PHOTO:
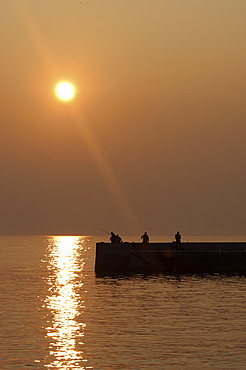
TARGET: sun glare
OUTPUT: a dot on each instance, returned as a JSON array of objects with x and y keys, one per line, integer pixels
[
  {"x": 65, "y": 91},
  {"x": 64, "y": 302}
]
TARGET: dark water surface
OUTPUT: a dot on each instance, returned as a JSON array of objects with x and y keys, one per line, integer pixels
[{"x": 55, "y": 314}]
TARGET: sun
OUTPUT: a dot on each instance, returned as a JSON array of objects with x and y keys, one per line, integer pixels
[{"x": 65, "y": 91}]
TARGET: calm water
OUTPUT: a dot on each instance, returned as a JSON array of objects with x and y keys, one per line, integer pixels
[{"x": 55, "y": 314}]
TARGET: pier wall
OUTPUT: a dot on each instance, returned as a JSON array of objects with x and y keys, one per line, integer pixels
[{"x": 130, "y": 258}]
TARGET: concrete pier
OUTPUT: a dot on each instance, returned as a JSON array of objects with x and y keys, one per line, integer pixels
[{"x": 138, "y": 258}]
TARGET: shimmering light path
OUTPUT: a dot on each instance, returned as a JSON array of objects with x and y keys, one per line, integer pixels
[{"x": 65, "y": 303}]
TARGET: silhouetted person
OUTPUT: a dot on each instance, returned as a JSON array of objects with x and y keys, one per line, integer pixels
[
  {"x": 145, "y": 238},
  {"x": 113, "y": 237},
  {"x": 118, "y": 239},
  {"x": 178, "y": 240}
]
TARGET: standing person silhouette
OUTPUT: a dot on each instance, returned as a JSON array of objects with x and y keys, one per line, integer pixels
[
  {"x": 178, "y": 240},
  {"x": 145, "y": 238}
]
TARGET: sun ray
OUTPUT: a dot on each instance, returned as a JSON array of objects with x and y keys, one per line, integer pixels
[
  {"x": 110, "y": 179},
  {"x": 83, "y": 127},
  {"x": 105, "y": 170},
  {"x": 30, "y": 24}
]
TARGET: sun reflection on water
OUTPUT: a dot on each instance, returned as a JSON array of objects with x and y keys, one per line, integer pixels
[{"x": 65, "y": 332}]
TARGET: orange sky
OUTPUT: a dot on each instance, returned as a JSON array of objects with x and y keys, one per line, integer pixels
[{"x": 155, "y": 138}]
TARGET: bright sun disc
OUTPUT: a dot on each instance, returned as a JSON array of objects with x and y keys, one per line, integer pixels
[{"x": 65, "y": 91}]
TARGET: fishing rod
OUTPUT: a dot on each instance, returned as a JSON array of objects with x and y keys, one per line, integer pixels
[
  {"x": 101, "y": 237},
  {"x": 102, "y": 230}
]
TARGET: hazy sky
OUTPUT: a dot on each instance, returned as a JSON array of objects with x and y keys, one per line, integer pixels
[{"x": 155, "y": 138}]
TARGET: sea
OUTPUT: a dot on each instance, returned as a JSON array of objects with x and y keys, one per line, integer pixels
[{"x": 55, "y": 313}]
